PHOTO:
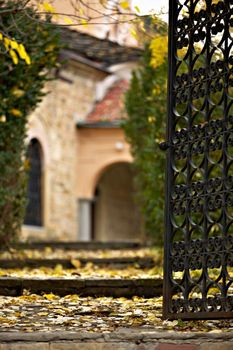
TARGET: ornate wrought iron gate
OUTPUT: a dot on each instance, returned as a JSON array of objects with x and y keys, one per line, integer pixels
[{"x": 199, "y": 195}]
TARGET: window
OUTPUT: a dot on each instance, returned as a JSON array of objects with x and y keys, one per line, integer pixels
[{"x": 34, "y": 208}]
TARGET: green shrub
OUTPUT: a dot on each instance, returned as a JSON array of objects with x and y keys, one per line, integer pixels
[
  {"x": 146, "y": 102},
  {"x": 21, "y": 89}
]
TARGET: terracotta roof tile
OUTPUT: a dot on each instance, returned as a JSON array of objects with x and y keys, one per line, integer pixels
[{"x": 111, "y": 107}]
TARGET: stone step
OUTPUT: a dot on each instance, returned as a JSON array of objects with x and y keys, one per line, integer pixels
[
  {"x": 124, "y": 339},
  {"x": 79, "y": 245},
  {"x": 118, "y": 263},
  {"x": 116, "y": 287}
]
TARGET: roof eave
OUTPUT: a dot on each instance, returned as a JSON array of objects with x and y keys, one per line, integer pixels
[
  {"x": 67, "y": 54},
  {"x": 99, "y": 125}
]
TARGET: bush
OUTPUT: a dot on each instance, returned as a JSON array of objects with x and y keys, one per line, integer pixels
[
  {"x": 146, "y": 103},
  {"x": 21, "y": 85}
]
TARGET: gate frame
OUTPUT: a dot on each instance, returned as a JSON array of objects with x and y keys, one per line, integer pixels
[{"x": 167, "y": 290}]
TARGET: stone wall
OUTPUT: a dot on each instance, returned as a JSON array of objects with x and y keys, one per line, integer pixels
[
  {"x": 54, "y": 124},
  {"x": 124, "y": 339}
]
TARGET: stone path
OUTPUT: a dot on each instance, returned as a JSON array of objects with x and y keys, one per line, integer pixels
[
  {"x": 14, "y": 337},
  {"x": 123, "y": 339}
]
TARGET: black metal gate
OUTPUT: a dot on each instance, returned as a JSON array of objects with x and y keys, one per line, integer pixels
[{"x": 198, "y": 281}]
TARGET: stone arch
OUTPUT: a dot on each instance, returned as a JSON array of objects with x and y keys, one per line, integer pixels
[
  {"x": 36, "y": 131},
  {"x": 100, "y": 171},
  {"x": 115, "y": 214}
]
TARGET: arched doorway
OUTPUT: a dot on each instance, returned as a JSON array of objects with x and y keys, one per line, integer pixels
[
  {"x": 34, "y": 210},
  {"x": 115, "y": 215}
]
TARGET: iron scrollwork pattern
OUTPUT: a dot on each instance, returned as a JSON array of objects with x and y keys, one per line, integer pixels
[{"x": 198, "y": 281}]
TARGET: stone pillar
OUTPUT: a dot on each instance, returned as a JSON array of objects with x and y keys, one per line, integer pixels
[{"x": 85, "y": 218}]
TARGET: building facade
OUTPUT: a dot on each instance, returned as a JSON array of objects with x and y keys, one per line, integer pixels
[{"x": 81, "y": 179}]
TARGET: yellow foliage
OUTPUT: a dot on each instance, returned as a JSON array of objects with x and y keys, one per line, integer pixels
[
  {"x": 21, "y": 51},
  {"x": 84, "y": 22},
  {"x": 26, "y": 164},
  {"x": 151, "y": 119},
  {"x": 6, "y": 43},
  {"x": 137, "y": 9},
  {"x": 159, "y": 49},
  {"x": 14, "y": 56},
  {"x": 50, "y": 296},
  {"x": 182, "y": 52},
  {"x": 124, "y": 4},
  {"x": 14, "y": 44},
  {"x": 16, "y": 112},
  {"x": 23, "y": 54},
  {"x": 13, "y": 47},
  {"x": 157, "y": 90},
  {"x": 58, "y": 269},
  {"x": 76, "y": 263},
  {"x": 67, "y": 20},
  {"x": 48, "y": 7},
  {"x": 17, "y": 92},
  {"x": 133, "y": 32}
]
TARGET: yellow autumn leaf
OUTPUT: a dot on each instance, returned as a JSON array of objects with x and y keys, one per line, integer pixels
[
  {"x": 6, "y": 42},
  {"x": 137, "y": 9},
  {"x": 133, "y": 33},
  {"x": 23, "y": 54},
  {"x": 26, "y": 164},
  {"x": 124, "y": 4},
  {"x": 84, "y": 22},
  {"x": 21, "y": 51},
  {"x": 50, "y": 296},
  {"x": 16, "y": 112},
  {"x": 42, "y": 313},
  {"x": 67, "y": 20},
  {"x": 14, "y": 44},
  {"x": 48, "y": 7},
  {"x": 58, "y": 269},
  {"x": 48, "y": 250},
  {"x": 76, "y": 263},
  {"x": 60, "y": 311},
  {"x": 28, "y": 59},
  {"x": 17, "y": 92}
]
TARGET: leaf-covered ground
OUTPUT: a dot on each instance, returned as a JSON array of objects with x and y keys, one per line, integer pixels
[
  {"x": 49, "y": 312},
  {"x": 89, "y": 270},
  {"x": 49, "y": 253}
]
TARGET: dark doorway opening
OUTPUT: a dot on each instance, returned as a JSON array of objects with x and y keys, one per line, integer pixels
[{"x": 115, "y": 214}]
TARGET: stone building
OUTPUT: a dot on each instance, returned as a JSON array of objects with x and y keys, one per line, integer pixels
[{"x": 81, "y": 180}]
